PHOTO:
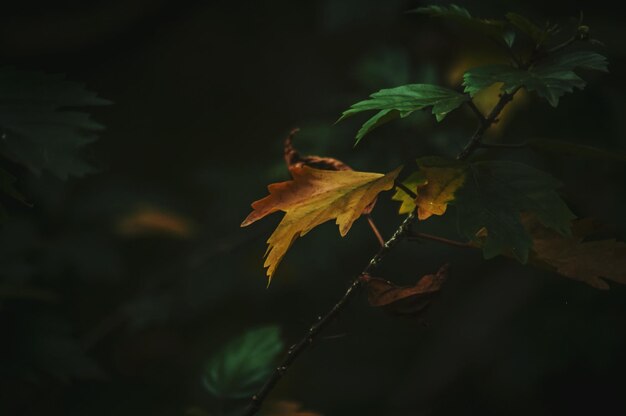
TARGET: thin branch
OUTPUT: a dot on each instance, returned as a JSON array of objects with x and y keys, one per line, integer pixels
[
  {"x": 492, "y": 118},
  {"x": 424, "y": 236},
  {"x": 374, "y": 228},
  {"x": 401, "y": 232},
  {"x": 479, "y": 114},
  {"x": 296, "y": 349}
]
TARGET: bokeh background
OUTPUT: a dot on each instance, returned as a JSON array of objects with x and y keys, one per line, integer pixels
[{"x": 132, "y": 277}]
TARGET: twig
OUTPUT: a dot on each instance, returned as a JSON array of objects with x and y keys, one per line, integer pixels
[
  {"x": 492, "y": 118},
  {"x": 424, "y": 236},
  {"x": 476, "y": 111},
  {"x": 402, "y": 230},
  {"x": 296, "y": 349},
  {"x": 374, "y": 228}
]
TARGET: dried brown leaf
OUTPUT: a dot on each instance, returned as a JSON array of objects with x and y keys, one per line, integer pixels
[{"x": 405, "y": 300}]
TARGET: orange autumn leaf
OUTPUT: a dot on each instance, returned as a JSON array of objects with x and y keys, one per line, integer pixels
[
  {"x": 405, "y": 300},
  {"x": 146, "y": 220},
  {"x": 313, "y": 197}
]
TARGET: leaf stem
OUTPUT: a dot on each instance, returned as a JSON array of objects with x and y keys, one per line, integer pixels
[
  {"x": 476, "y": 111},
  {"x": 375, "y": 230},
  {"x": 406, "y": 190}
]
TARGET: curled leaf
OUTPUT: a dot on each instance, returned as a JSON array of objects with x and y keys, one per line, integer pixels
[
  {"x": 405, "y": 300},
  {"x": 293, "y": 157}
]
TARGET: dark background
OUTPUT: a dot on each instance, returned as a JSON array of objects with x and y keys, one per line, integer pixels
[{"x": 141, "y": 271}]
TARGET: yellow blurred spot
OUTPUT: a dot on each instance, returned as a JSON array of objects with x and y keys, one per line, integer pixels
[
  {"x": 148, "y": 220},
  {"x": 486, "y": 99}
]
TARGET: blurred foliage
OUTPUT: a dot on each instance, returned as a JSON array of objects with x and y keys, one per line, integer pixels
[{"x": 117, "y": 288}]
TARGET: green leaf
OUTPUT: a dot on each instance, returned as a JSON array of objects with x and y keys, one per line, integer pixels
[
  {"x": 401, "y": 101},
  {"x": 527, "y": 27},
  {"x": 494, "y": 195},
  {"x": 380, "y": 118},
  {"x": 509, "y": 38},
  {"x": 6, "y": 186},
  {"x": 239, "y": 368},
  {"x": 550, "y": 78},
  {"x": 493, "y": 28},
  {"x": 39, "y": 129},
  {"x": 574, "y": 149}
]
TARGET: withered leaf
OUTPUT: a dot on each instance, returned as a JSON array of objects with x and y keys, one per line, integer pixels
[
  {"x": 293, "y": 157},
  {"x": 405, "y": 300},
  {"x": 313, "y": 197},
  {"x": 588, "y": 261}
]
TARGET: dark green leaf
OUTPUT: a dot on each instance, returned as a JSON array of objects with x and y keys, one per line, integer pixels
[
  {"x": 509, "y": 38},
  {"x": 574, "y": 149},
  {"x": 527, "y": 27},
  {"x": 242, "y": 365},
  {"x": 401, "y": 101},
  {"x": 494, "y": 195},
  {"x": 39, "y": 130},
  {"x": 6, "y": 186},
  {"x": 550, "y": 78},
  {"x": 493, "y": 28}
]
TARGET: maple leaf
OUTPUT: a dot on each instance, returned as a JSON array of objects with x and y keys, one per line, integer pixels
[
  {"x": 571, "y": 256},
  {"x": 407, "y": 203},
  {"x": 404, "y": 300},
  {"x": 443, "y": 178},
  {"x": 435, "y": 184},
  {"x": 313, "y": 197}
]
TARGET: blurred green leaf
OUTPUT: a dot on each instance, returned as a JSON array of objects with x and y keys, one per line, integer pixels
[
  {"x": 242, "y": 365},
  {"x": 401, "y": 101},
  {"x": 39, "y": 130},
  {"x": 494, "y": 195},
  {"x": 550, "y": 78},
  {"x": 6, "y": 186},
  {"x": 509, "y": 38}
]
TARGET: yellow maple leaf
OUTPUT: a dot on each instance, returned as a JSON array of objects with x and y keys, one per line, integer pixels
[
  {"x": 313, "y": 197},
  {"x": 407, "y": 202},
  {"x": 435, "y": 184},
  {"x": 441, "y": 184}
]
